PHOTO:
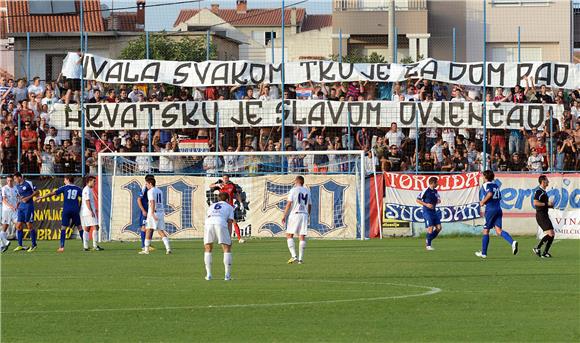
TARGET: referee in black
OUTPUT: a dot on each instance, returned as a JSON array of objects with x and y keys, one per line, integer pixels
[{"x": 542, "y": 204}]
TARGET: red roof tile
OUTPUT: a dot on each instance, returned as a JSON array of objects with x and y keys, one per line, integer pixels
[
  {"x": 122, "y": 21},
  {"x": 252, "y": 17},
  {"x": 316, "y": 22},
  {"x": 20, "y": 19}
]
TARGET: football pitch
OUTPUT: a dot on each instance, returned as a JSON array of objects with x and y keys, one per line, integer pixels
[{"x": 347, "y": 291}]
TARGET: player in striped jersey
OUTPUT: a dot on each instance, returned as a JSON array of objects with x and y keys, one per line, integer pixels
[
  {"x": 9, "y": 209},
  {"x": 71, "y": 207},
  {"x": 26, "y": 193},
  {"x": 493, "y": 215}
]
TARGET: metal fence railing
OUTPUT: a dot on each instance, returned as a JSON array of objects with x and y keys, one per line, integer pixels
[{"x": 30, "y": 145}]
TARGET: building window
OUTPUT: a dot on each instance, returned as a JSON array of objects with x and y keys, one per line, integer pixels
[
  {"x": 269, "y": 36},
  {"x": 53, "y": 66},
  {"x": 507, "y": 3},
  {"x": 528, "y": 54}
]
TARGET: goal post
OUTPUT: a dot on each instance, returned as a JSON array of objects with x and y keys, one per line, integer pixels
[{"x": 337, "y": 181}]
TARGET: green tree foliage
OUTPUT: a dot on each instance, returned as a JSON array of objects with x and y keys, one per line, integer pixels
[
  {"x": 357, "y": 57},
  {"x": 163, "y": 46}
]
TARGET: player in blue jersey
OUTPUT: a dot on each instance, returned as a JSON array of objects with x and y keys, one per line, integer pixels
[
  {"x": 493, "y": 215},
  {"x": 429, "y": 198},
  {"x": 71, "y": 207},
  {"x": 143, "y": 203},
  {"x": 26, "y": 193}
]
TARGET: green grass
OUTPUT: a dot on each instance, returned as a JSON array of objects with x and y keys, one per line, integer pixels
[{"x": 117, "y": 295}]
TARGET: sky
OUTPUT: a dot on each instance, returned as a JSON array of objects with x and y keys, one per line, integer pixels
[{"x": 163, "y": 16}]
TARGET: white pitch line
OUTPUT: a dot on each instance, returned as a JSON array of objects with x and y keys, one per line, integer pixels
[{"x": 430, "y": 291}]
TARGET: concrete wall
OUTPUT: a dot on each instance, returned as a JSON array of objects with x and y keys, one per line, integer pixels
[
  {"x": 377, "y": 22},
  {"x": 543, "y": 26},
  {"x": 305, "y": 45}
]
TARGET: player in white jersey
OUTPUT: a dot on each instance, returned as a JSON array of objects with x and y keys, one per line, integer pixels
[
  {"x": 297, "y": 212},
  {"x": 89, "y": 219},
  {"x": 155, "y": 216},
  {"x": 9, "y": 213},
  {"x": 218, "y": 225}
]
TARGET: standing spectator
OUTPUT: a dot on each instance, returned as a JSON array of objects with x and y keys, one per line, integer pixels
[
  {"x": 394, "y": 136},
  {"x": 166, "y": 163},
  {"x": 47, "y": 160},
  {"x": 320, "y": 161},
  {"x": 36, "y": 88},
  {"x": 52, "y": 135},
  {"x": 363, "y": 139},
  {"x": 92, "y": 162},
  {"x": 24, "y": 113},
  {"x": 30, "y": 163},
  {"x": 29, "y": 137},
  {"x": 134, "y": 95},
  {"x": 20, "y": 92},
  {"x": 535, "y": 161},
  {"x": 515, "y": 163},
  {"x": 144, "y": 162},
  {"x": 437, "y": 152}
]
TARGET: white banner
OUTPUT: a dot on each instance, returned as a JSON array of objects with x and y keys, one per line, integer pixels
[
  {"x": 258, "y": 113},
  {"x": 566, "y": 224},
  {"x": 229, "y": 73},
  {"x": 334, "y": 206},
  {"x": 459, "y": 196}
]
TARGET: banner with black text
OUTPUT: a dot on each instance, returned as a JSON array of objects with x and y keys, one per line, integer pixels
[
  {"x": 229, "y": 73},
  {"x": 259, "y": 113}
]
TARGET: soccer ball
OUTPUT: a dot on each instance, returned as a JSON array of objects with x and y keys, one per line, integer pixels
[{"x": 242, "y": 241}]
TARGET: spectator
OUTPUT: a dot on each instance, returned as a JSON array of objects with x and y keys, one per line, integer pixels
[
  {"x": 47, "y": 160},
  {"x": 144, "y": 163},
  {"x": 29, "y": 137},
  {"x": 20, "y": 92},
  {"x": 394, "y": 136},
  {"x": 515, "y": 163},
  {"x": 36, "y": 88},
  {"x": 30, "y": 162},
  {"x": 535, "y": 161}
]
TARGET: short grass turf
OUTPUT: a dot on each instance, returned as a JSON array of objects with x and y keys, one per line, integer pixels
[{"x": 347, "y": 291}]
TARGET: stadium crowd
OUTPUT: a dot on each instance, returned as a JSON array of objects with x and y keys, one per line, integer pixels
[{"x": 47, "y": 151}]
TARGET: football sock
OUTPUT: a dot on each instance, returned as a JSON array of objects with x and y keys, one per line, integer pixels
[
  {"x": 228, "y": 263},
  {"x": 4, "y": 238},
  {"x": 95, "y": 237},
  {"x": 147, "y": 244},
  {"x": 435, "y": 234},
  {"x": 62, "y": 237},
  {"x": 548, "y": 244},
  {"x": 542, "y": 241},
  {"x": 166, "y": 243},
  {"x": 237, "y": 230},
  {"x": 484, "y": 244},
  {"x": 143, "y": 239},
  {"x": 81, "y": 231},
  {"x": 19, "y": 236},
  {"x": 33, "y": 237},
  {"x": 429, "y": 238},
  {"x": 507, "y": 237},
  {"x": 207, "y": 261},
  {"x": 85, "y": 240},
  {"x": 290, "y": 242},
  {"x": 301, "y": 248}
]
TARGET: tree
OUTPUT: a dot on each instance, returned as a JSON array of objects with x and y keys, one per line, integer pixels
[
  {"x": 163, "y": 46},
  {"x": 358, "y": 57}
]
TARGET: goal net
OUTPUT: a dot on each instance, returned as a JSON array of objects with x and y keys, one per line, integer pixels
[{"x": 263, "y": 179}]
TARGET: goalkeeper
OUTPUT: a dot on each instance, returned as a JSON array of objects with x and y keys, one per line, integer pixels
[{"x": 224, "y": 185}]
